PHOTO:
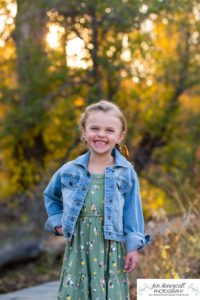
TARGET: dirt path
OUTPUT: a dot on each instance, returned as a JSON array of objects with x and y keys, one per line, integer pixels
[{"x": 46, "y": 291}]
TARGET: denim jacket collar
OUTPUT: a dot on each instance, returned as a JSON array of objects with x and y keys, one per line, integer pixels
[{"x": 120, "y": 160}]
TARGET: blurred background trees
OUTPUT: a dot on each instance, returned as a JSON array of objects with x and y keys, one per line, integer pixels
[{"x": 57, "y": 57}]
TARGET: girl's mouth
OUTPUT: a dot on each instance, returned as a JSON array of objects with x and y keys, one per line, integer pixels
[{"x": 100, "y": 143}]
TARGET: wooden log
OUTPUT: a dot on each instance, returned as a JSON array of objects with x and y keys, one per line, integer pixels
[{"x": 22, "y": 251}]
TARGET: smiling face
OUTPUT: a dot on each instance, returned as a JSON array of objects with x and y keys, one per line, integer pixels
[{"x": 102, "y": 131}]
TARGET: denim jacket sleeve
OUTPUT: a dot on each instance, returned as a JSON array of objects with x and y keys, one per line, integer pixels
[
  {"x": 133, "y": 218},
  {"x": 53, "y": 203}
]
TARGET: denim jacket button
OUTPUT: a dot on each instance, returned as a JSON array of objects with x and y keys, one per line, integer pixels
[
  {"x": 78, "y": 203},
  {"x": 72, "y": 219},
  {"x": 109, "y": 217},
  {"x": 68, "y": 234},
  {"x": 109, "y": 233},
  {"x": 111, "y": 201}
]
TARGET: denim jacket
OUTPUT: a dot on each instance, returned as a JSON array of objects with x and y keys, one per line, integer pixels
[{"x": 123, "y": 217}]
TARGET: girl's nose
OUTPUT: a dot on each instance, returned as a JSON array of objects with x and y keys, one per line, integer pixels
[{"x": 101, "y": 133}]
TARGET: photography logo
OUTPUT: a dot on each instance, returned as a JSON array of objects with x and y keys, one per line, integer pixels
[{"x": 164, "y": 289}]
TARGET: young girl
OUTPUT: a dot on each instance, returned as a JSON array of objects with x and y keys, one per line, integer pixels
[{"x": 94, "y": 201}]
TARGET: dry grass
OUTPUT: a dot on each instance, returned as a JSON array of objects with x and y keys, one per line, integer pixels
[{"x": 175, "y": 248}]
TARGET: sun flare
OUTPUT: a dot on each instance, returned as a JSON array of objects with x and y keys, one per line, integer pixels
[
  {"x": 54, "y": 36},
  {"x": 76, "y": 53}
]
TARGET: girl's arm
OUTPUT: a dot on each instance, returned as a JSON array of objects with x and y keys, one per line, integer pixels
[
  {"x": 133, "y": 218},
  {"x": 53, "y": 203}
]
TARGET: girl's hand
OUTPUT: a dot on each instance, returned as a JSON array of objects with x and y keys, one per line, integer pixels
[
  {"x": 59, "y": 230},
  {"x": 131, "y": 261}
]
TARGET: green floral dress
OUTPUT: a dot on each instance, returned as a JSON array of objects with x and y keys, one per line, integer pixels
[{"x": 93, "y": 268}]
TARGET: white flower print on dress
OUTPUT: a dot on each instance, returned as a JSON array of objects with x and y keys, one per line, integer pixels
[
  {"x": 69, "y": 281},
  {"x": 113, "y": 248}
]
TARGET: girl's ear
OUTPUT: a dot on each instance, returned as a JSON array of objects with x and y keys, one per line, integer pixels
[
  {"x": 121, "y": 137},
  {"x": 82, "y": 129}
]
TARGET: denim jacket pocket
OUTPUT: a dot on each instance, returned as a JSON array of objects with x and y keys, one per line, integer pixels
[
  {"x": 122, "y": 186},
  {"x": 121, "y": 189},
  {"x": 69, "y": 181}
]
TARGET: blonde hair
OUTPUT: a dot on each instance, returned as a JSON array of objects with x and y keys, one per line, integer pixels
[{"x": 105, "y": 106}]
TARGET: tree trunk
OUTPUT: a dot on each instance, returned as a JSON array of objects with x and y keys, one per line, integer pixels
[
  {"x": 32, "y": 66},
  {"x": 32, "y": 73},
  {"x": 151, "y": 141}
]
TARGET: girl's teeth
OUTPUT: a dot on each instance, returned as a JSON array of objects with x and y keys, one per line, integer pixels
[{"x": 99, "y": 142}]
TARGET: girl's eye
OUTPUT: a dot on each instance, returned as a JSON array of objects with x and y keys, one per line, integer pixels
[
  {"x": 94, "y": 128},
  {"x": 110, "y": 130}
]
